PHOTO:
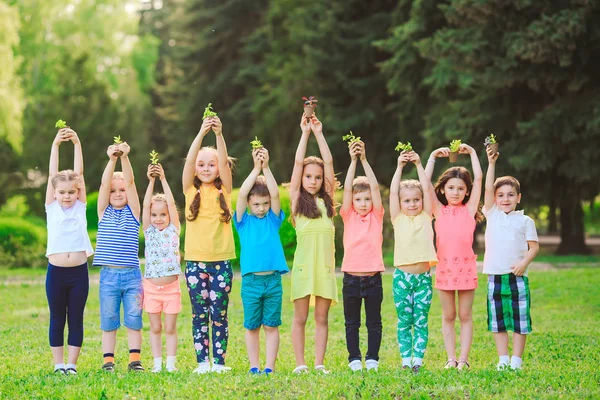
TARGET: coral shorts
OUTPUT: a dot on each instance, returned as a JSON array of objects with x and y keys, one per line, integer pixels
[{"x": 165, "y": 299}]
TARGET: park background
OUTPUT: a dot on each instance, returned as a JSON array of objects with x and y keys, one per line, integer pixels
[{"x": 420, "y": 71}]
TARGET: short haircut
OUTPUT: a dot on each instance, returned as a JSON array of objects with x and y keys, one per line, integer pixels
[
  {"x": 260, "y": 188},
  {"x": 507, "y": 180},
  {"x": 360, "y": 184}
]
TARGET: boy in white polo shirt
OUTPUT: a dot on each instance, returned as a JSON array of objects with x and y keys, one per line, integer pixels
[{"x": 511, "y": 243}]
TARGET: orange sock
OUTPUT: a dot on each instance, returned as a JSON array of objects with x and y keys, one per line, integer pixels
[
  {"x": 134, "y": 355},
  {"x": 109, "y": 357}
]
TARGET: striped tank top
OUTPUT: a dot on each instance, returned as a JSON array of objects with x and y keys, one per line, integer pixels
[{"x": 117, "y": 241}]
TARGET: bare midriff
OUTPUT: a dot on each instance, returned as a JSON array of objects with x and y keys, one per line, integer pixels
[
  {"x": 263, "y": 273},
  {"x": 70, "y": 259},
  {"x": 361, "y": 273},
  {"x": 416, "y": 268},
  {"x": 163, "y": 280}
]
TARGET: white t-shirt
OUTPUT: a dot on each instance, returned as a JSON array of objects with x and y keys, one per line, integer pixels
[
  {"x": 506, "y": 237},
  {"x": 67, "y": 229}
]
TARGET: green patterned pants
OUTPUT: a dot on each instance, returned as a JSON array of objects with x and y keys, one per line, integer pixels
[{"x": 412, "y": 297}]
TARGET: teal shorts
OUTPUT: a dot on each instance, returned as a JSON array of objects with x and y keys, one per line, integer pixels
[{"x": 261, "y": 298}]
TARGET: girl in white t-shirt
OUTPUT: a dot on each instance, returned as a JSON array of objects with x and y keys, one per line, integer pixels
[
  {"x": 162, "y": 294},
  {"x": 69, "y": 246},
  {"x": 511, "y": 243}
]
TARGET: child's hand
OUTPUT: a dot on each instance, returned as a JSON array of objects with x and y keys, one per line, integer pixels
[
  {"x": 264, "y": 155},
  {"x": 151, "y": 172},
  {"x": 492, "y": 157},
  {"x": 256, "y": 157},
  {"x": 112, "y": 149},
  {"x": 403, "y": 158},
  {"x": 73, "y": 136},
  {"x": 354, "y": 150},
  {"x": 363, "y": 151},
  {"x": 441, "y": 152},
  {"x": 519, "y": 268},
  {"x": 316, "y": 125},
  {"x": 465, "y": 149},
  {"x": 206, "y": 127},
  {"x": 217, "y": 126},
  {"x": 61, "y": 136},
  {"x": 414, "y": 157},
  {"x": 124, "y": 147},
  {"x": 304, "y": 124},
  {"x": 158, "y": 168}
]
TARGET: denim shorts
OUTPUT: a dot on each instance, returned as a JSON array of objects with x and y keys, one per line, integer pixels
[
  {"x": 261, "y": 297},
  {"x": 120, "y": 285}
]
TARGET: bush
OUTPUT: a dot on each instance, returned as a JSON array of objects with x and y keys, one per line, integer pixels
[{"x": 22, "y": 244}]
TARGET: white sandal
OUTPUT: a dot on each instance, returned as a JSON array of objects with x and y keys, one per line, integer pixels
[
  {"x": 300, "y": 369},
  {"x": 321, "y": 369}
]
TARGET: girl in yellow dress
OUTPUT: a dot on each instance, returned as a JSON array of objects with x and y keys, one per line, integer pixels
[{"x": 313, "y": 275}]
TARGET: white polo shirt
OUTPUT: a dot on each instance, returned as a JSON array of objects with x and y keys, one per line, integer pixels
[{"x": 506, "y": 237}]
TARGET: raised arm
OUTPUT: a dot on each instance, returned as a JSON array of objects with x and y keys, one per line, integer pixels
[
  {"x": 148, "y": 196},
  {"x": 395, "y": 186},
  {"x": 271, "y": 182},
  {"x": 437, "y": 153},
  {"x": 242, "y": 200},
  {"x": 104, "y": 191},
  {"x": 375, "y": 193},
  {"x": 317, "y": 128},
  {"x": 61, "y": 136},
  {"x": 425, "y": 183},
  {"x": 78, "y": 164},
  {"x": 475, "y": 198},
  {"x": 224, "y": 168},
  {"x": 296, "y": 180},
  {"x": 189, "y": 168},
  {"x": 488, "y": 202},
  {"x": 173, "y": 213},
  {"x": 132, "y": 197},
  {"x": 354, "y": 150}
]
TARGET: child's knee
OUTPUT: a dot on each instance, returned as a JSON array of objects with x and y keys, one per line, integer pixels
[
  {"x": 321, "y": 319},
  {"x": 465, "y": 316}
]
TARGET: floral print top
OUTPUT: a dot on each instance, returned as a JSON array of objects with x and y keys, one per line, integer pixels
[{"x": 162, "y": 252}]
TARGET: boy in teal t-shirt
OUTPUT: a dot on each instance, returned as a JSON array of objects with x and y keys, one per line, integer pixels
[{"x": 262, "y": 259}]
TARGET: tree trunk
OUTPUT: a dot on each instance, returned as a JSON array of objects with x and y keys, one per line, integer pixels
[
  {"x": 572, "y": 229},
  {"x": 552, "y": 220}
]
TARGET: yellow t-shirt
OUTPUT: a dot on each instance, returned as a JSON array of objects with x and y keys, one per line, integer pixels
[
  {"x": 207, "y": 238},
  {"x": 413, "y": 240}
]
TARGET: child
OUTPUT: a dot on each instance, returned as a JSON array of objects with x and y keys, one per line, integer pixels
[
  {"x": 414, "y": 254},
  {"x": 117, "y": 253},
  {"x": 262, "y": 259},
  {"x": 69, "y": 246},
  {"x": 362, "y": 213},
  {"x": 456, "y": 210},
  {"x": 160, "y": 222},
  {"x": 209, "y": 245},
  {"x": 313, "y": 275},
  {"x": 511, "y": 243}
]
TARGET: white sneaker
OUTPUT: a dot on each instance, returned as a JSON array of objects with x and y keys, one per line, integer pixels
[
  {"x": 218, "y": 368},
  {"x": 202, "y": 368},
  {"x": 372, "y": 365},
  {"x": 171, "y": 369},
  {"x": 355, "y": 365},
  {"x": 157, "y": 368}
]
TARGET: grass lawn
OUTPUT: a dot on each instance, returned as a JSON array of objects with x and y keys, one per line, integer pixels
[{"x": 561, "y": 358}]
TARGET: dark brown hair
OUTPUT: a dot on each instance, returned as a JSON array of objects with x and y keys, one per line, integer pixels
[
  {"x": 305, "y": 204},
  {"x": 260, "y": 188},
  {"x": 463, "y": 174},
  {"x": 360, "y": 184},
  {"x": 507, "y": 180}
]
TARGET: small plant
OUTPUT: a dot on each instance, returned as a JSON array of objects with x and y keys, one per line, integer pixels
[
  {"x": 117, "y": 141},
  {"x": 208, "y": 112},
  {"x": 404, "y": 146},
  {"x": 310, "y": 101},
  {"x": 350, "y": 138},
  {"x": 153, "y": 157},
  {"x": 256, "y": 144},
  {"x": 491, "y": 139},
  {"x": 60, "y": 124},
  {"x": 454, "y": 145}
]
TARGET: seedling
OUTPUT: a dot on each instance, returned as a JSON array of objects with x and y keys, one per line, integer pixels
[
  {"x": 117, "y": 141},
  {"x": 404, "y": 147},
  {"x": 350, "y": 138},
  {"x": 491, "y": 142},
  {"x": 310, "y": 103},
  {"x": 208, "y": 112},
  {"x": 256, "y": 144},
  {"x": 454, "y": 146},
  {"x": 60, "y": 124},
  {"x": 154, "y": 161}
]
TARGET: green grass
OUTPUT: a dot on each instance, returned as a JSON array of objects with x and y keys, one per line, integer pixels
[{"x": 561, "y": 358}]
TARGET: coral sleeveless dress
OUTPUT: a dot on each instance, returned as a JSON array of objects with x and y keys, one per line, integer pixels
[
  {"x": 457, "y": 268},
  {"x": 313, "y": 271}
]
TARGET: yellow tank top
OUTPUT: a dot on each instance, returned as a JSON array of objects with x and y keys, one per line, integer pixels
[{"x": 207, "y": 238}]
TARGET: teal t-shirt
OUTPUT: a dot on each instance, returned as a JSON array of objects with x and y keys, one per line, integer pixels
[{"x": 261, "y": 247}]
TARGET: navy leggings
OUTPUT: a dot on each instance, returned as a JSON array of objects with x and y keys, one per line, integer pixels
[{"x": 67, "y": 291}]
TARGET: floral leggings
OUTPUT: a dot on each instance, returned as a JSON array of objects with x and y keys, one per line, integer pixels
[{"x": 209, "y": 285}]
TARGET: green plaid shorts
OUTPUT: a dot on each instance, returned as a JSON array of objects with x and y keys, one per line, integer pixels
[{"x": 508, "y": 303}]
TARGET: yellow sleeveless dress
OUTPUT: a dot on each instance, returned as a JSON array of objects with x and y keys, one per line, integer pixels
[{"x": 313, "y": 271}]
